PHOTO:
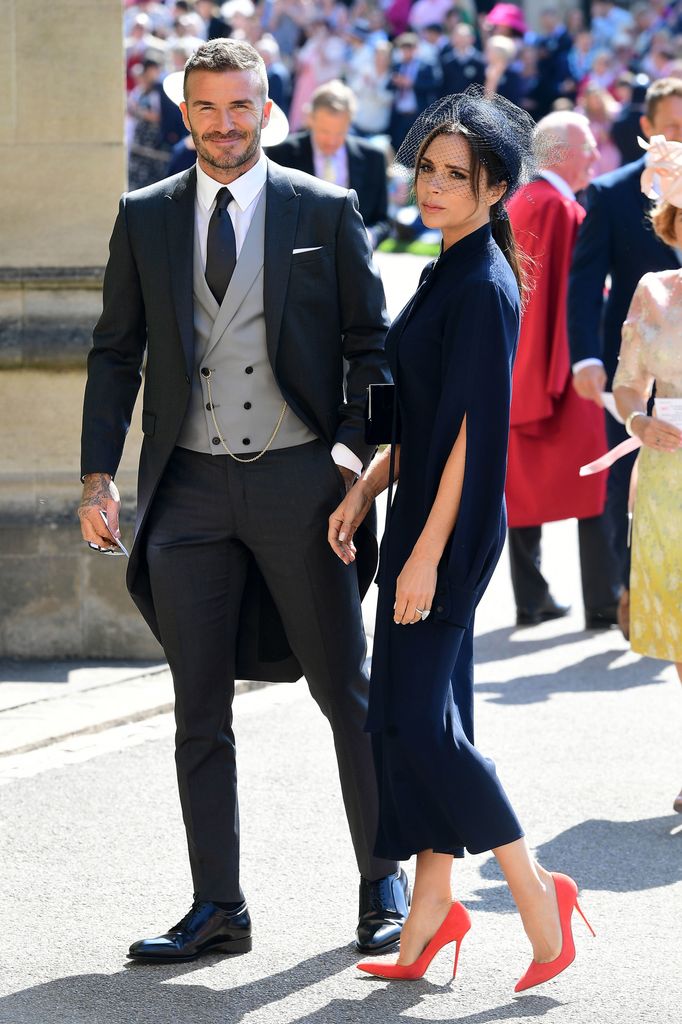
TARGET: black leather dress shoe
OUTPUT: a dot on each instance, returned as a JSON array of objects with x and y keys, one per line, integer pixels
[
  {"x": 384, "y": 905},
  {"x": 549, "y": 609},
  {"x": 601, "y": 618},
  {"x": 205, "y": 929}
]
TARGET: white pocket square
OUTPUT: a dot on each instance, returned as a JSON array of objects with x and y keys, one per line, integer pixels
[{"x": 312, "y": 248}]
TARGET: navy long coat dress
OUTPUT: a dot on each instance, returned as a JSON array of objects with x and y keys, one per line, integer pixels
[{"x": 451, "y": 352}]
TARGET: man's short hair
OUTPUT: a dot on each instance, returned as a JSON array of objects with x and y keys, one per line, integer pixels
[
  {"x": 661, "y": 90},
  {"x": 227, "y": 55},
  {"x": 335, "y": 97},
  {"x": 550, "y": 136}
]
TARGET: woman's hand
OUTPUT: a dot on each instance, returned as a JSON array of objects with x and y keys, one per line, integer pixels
[
  {"x": 656, "y": 434},
  {"x": 344, "y": 521},
  {"x": 414, "y": 590}
]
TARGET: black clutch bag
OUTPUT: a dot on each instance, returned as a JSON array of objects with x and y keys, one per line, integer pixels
[{"x": 382, "y": 419}]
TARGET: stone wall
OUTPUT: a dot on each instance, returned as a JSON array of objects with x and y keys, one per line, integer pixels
[{"x": 62, "y": 170}]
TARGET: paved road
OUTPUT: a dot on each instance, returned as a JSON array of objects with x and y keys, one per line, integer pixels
[{"x": 585, "y": 735}]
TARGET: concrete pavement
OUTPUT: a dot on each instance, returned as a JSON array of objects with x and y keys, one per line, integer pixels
[{"x": 585, "y": 736}]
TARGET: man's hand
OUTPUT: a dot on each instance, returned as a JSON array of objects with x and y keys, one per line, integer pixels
[
  {"x": 100, "y": 494},
  {"x": 589, "y": 382},
  {"x": 344, "y": 521}
]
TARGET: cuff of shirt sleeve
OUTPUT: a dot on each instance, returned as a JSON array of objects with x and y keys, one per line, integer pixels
[
  {"x": 343, "y": 456},
  {"x": 582, "y": 363}
]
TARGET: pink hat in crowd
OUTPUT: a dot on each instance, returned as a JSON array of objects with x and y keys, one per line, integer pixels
[
  {"x": 507, "y": 16},
  {"x": 662, "y": 176}
]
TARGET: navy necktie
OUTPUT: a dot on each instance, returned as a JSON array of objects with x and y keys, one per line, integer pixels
[{"x": 221, "y": 247}]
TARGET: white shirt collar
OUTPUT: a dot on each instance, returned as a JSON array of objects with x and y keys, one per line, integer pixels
[
  {"x": 244, "y": 189},
  {"x": 559, "y": 184}
]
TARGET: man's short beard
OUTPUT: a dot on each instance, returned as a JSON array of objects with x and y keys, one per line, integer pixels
[{"x": 229, "y": 160}]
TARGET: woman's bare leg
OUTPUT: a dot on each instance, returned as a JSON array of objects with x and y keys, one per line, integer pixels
[
  {"x": 431, "y": 901},
  {"x": 533, "y": 890}
]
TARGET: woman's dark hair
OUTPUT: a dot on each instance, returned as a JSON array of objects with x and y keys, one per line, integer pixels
[{"x": 484, "y": 159}]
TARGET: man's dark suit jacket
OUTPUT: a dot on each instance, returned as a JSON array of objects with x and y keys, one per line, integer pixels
[
  {"x": 615, "y": 238},
  {"x": 366, "y": 174},
  {"x": 322, "y": 307}
]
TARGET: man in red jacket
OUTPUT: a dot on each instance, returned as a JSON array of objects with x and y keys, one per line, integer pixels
[{"x": 553, "y": 430}]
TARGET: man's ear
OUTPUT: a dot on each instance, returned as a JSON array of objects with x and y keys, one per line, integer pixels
[
  {"x": 267, "y": 110},
  {"x": 185, "y": 118},
  {"x": 646, "y": 126}
]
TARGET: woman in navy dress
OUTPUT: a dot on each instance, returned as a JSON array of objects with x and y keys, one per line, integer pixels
[{"x": 451, "y": 351}]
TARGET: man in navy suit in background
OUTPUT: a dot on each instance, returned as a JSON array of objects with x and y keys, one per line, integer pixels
[
  {"x": 616, "y": 239},
  {"x": 327, "y": 151}
]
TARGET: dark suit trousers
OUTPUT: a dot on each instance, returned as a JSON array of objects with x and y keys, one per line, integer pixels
[
  {"x": 209, "y": 517},
  {"x": 617, "y": 493},
  {"x": 599, "y": 569}
]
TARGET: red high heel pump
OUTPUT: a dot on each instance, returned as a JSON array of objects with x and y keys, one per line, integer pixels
[
  {"x": 453, "y": 929},
  {"x": 567, "y": 898}
]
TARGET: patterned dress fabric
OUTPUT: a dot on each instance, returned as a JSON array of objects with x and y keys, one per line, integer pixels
[{"x": 651, "y": 351}]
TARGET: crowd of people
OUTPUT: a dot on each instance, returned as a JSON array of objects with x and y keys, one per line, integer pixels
[{"x": 400, "y": 56}]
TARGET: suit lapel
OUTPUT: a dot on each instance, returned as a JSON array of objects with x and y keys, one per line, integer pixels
[
  {"x": 180, "y": 240},
  {"x": 281, "y": 220}
]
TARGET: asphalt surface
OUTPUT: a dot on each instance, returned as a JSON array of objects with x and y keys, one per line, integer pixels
[{"x": 585, "y": 735}]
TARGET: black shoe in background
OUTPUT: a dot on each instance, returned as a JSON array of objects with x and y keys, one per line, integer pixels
[
  {"x": 384, "y": 905},
  {"x": 207, "y": 928},
  {"x": 549, "y": 609},
  {"x": 601, "y": 618}
]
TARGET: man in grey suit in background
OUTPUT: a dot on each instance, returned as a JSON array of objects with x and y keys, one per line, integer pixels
[{"x": 247, "y": 286}]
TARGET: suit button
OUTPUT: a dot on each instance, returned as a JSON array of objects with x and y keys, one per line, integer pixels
[
  {"x": 205, "y": 372},
  {"x": 247, "y": 405},
  {"x": 249, "y": 369},
  {"x": 216, "y": 440},
  {"x": 209, "y": 406},
  {"x": 439, "y": 609},
  {"x": 246, "y": 440},
  {"x": 187, "y": 380}
]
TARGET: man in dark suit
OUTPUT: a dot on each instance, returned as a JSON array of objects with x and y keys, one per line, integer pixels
[
  {"x": 329, "y": 152},
  {"x": 461, "y": 63},
  {"x": 247, "y": 287},
  {"x": 616, "y": 239}
]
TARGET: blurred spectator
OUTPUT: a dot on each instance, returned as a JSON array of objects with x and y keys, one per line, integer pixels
[
  {"x": 506, "y": 20},
  {"x": 146, "y": 161},
  {"x": 184, "y": 29},
  {"x": 214, "y": 27},
  {"x": 397, "y": 14},
  {"x": 608, "y": 21},
  {"x": 141, "y": 44},
  {"x": 602, "y": 74},
  {"x": 285, "y": 22},
  {"x": 373, "y": 93},
  {"x": 328, "y": 151},
  {"x": 160, "y": 16},
  {"x": 581, "y": 56},
  {"x": 601, "y": 110},
  {"x": 462, "y": 64},
  {"x": 626, "y": 126},
  {"x": 320, "y": 59},
  {"x": 428, "y": 12},
  {"x": 416, "y": 84},
  {"x": 554, "y": 45},
  {"x": 279, "y": 79},
  {"x": 185, "y": 9},
  {"x": 500, "y": 76}
]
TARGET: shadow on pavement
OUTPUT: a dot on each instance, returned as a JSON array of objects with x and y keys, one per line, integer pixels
[
  {"x": 607, "y": 856},
  {"x": 146, "y": 995},
  {"x": 19, "y": 671},
  {"x": 591, "y": 675}
]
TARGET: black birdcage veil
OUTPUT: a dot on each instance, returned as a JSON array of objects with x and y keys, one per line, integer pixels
[{"x": 498, "y": 132}]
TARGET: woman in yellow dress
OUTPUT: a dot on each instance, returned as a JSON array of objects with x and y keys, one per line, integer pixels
[{"x": 651, "y": 351}]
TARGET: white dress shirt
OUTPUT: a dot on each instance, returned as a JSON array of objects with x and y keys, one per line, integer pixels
[
  {"x": 245, "y": 191},
  {"x": 562, "y": 186},
  {"x": 338, "y": 163}
]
